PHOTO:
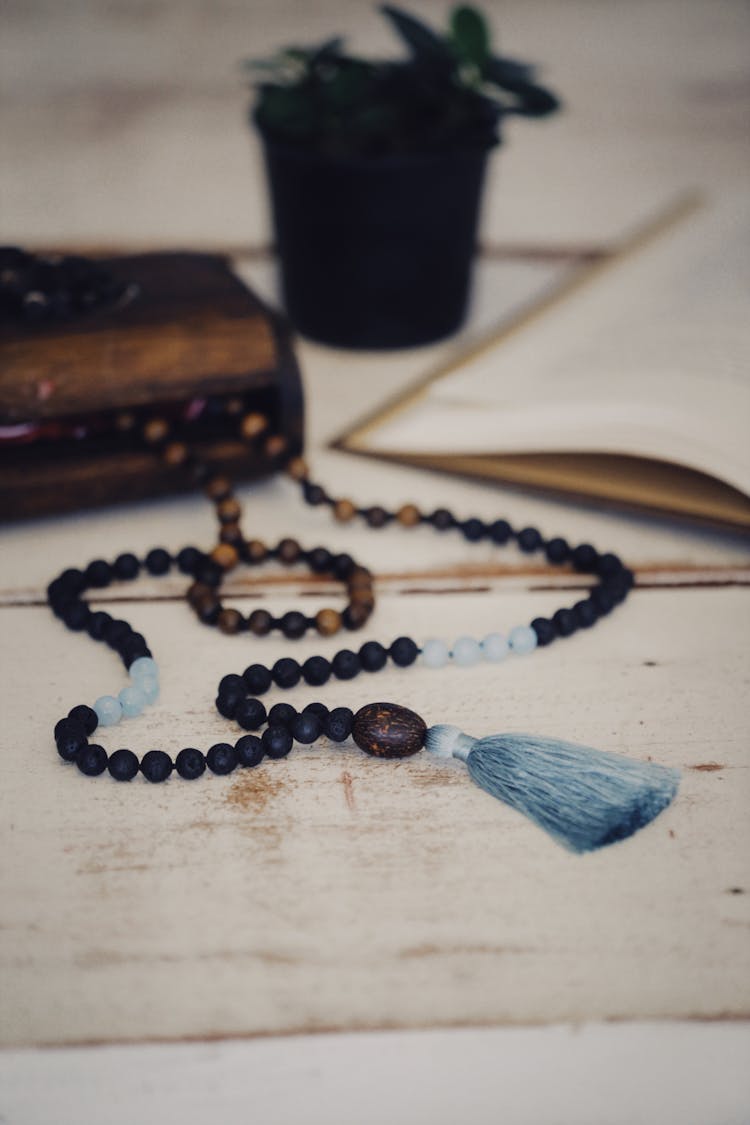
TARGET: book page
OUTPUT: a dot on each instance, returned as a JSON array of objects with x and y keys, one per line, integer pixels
[{"x": 651, "y": 359}]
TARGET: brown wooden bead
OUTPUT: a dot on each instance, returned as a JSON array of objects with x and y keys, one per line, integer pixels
[
  {"x": 198, "y": 591},
  {"x": 155, "y": 430},
  {"x": 125, "y": 421},
  {"x": 327, "y": 622},
  {"x": 208, "y": 609},
  {"x": 229, "y": 510},
  {"x": 225, "y": 555},
  {"x": 253, "y": 425},
  {"x": 362, "y": 596},
  {"x": 231, "y": 533},
  {"x": 344, "y": 511},
  {"x": 230, "y": 621},
  {"x": 360, "y": 579},
  {"x": 176, "y": 453},
  {"x": 297, "y": 469},
  {"x": 260, "y": 622},
  {"x": 255, "y": 551},
  {"x": 387, "y": 730},
  {"x": 356, "y": 615},
  {"x": 218, "y": 488},
  {"x": 408, "y": 515},
  {"x": 275, "y": 446},
  {"x": 289, "y": 551}
]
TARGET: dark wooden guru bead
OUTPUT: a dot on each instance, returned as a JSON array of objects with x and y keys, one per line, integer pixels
[{"x": 387, "y": 730}]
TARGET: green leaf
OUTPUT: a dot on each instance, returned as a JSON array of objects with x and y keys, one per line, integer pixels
[
  {"x": 507, "y": 72},
  {"x": 422, "y": 40},
  {"x": 470, "y": 35}
]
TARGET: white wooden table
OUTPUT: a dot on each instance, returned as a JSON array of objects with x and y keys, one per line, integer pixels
[{"x": 175, "y": 952}]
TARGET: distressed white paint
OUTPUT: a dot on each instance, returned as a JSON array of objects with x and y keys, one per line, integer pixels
[{"x": 330, "y": 890}]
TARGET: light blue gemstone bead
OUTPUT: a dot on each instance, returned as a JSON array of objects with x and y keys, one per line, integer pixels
[
  {"x": 143, "y": 666},
  {"x": 466, "y": 651},
  {"x": 132, "y": 701},
  {"x": 108, "y": 710},
  {"x": 495, "y": 647},
  {"x": 148, "y": 686},
  {"x": 435, "y": 654},
  {"x": 522, "y": 639}
]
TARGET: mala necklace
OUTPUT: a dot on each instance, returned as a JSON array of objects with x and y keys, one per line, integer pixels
[{"x": 584, "y": 798}]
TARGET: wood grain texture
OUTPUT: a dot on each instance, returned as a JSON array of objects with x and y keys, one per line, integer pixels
[
  {"x": 334, "y": 890},
  {"x": 194, "y": 330}
]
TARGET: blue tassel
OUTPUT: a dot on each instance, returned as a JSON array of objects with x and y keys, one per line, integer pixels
[{"x": 584, "y": 798}]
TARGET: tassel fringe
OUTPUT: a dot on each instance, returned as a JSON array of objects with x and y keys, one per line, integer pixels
[{"x": 584, "y": 798}]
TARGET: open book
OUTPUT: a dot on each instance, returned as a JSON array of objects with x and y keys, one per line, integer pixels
[{"x": 633, "y": 389}]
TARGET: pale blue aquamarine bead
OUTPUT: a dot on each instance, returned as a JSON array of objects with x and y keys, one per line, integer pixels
[
  {"x": 132, "y": 701},
  {"x": 495, "y": 647},
  {"x": 143, "y": 666},
  {"x": 435, "y": 654},
  {"x": 148, "y": 686},
  {"x": 522, "y": 639},
  {"x": 466, "y": 651},
  {"x": 108, "y": 710}
]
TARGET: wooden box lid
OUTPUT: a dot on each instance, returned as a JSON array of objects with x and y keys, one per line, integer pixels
[{"x": 194, "y": 330}]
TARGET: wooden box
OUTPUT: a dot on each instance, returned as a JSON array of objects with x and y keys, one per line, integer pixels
[{"x": 193, "y": 339}]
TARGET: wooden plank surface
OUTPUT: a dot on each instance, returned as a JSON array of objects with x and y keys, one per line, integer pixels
[
  {"x": 334, "y": 891},
  {"x": 258, "y": 906}
]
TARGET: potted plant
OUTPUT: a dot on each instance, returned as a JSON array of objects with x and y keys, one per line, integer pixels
[{"x": 375, "y": 171}]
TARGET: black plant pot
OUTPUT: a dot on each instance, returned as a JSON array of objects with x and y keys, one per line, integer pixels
[{"x": 375, "y": 252}]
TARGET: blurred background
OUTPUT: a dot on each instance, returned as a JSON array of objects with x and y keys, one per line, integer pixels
[{"x": 125, "y": 121}]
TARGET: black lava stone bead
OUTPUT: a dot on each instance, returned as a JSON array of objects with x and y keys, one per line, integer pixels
[
  {"x": 126, "y": 567},
  {"x": 85, "y": 715},
  {"x": 76, "y": 615},
  {"x": 232, "y": 685},
  {"x": 158, "y": 561},
  {"x": 585, "y": 613},
  {"x": 473, "y": 529},
  {"x": 188, "y": 559},
  {"x": 286, "y": 672},
  {"x": 92, "y": 760},
  {"x": 250, "y": 713},
  {"x": 249, "y": 750},
  {"x": 282, "y": 715},
  {"x": 123, "y": 765},
  {"x": 293, "y": 625},
  {"x": 338, "y": 725},
  {"x": 98, "y": 573},
  {"x": 96, "y": 624},
  {"x": 190, "y": 763},
  {"x": 403, "y": 652},
  {"x": 557, "y": 550},
  {"x": 529, "y": 539},
  {"x": 346, "y": 664},
  {"x": 221, "y": 758},
  {"x": 500, "y": 532},
  {"x": 564, "y": 621},
  {"x": 544, "y": 629},
  {"x": 306, "y": 727},
  {"x": 70, "y": 745},
  {"x": 372, "y": 656},
  {"x": 277, "y": 741},
  {"x": 257, "y": 678},
  {"x": 585, "y": 558},
  {"x": 316, "y": 670},
  {"x": 156, "y": 765},
  {"x": 320, "y": 559}
]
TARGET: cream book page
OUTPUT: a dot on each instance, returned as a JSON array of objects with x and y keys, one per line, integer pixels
[{"x": 652, "y": 359}]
